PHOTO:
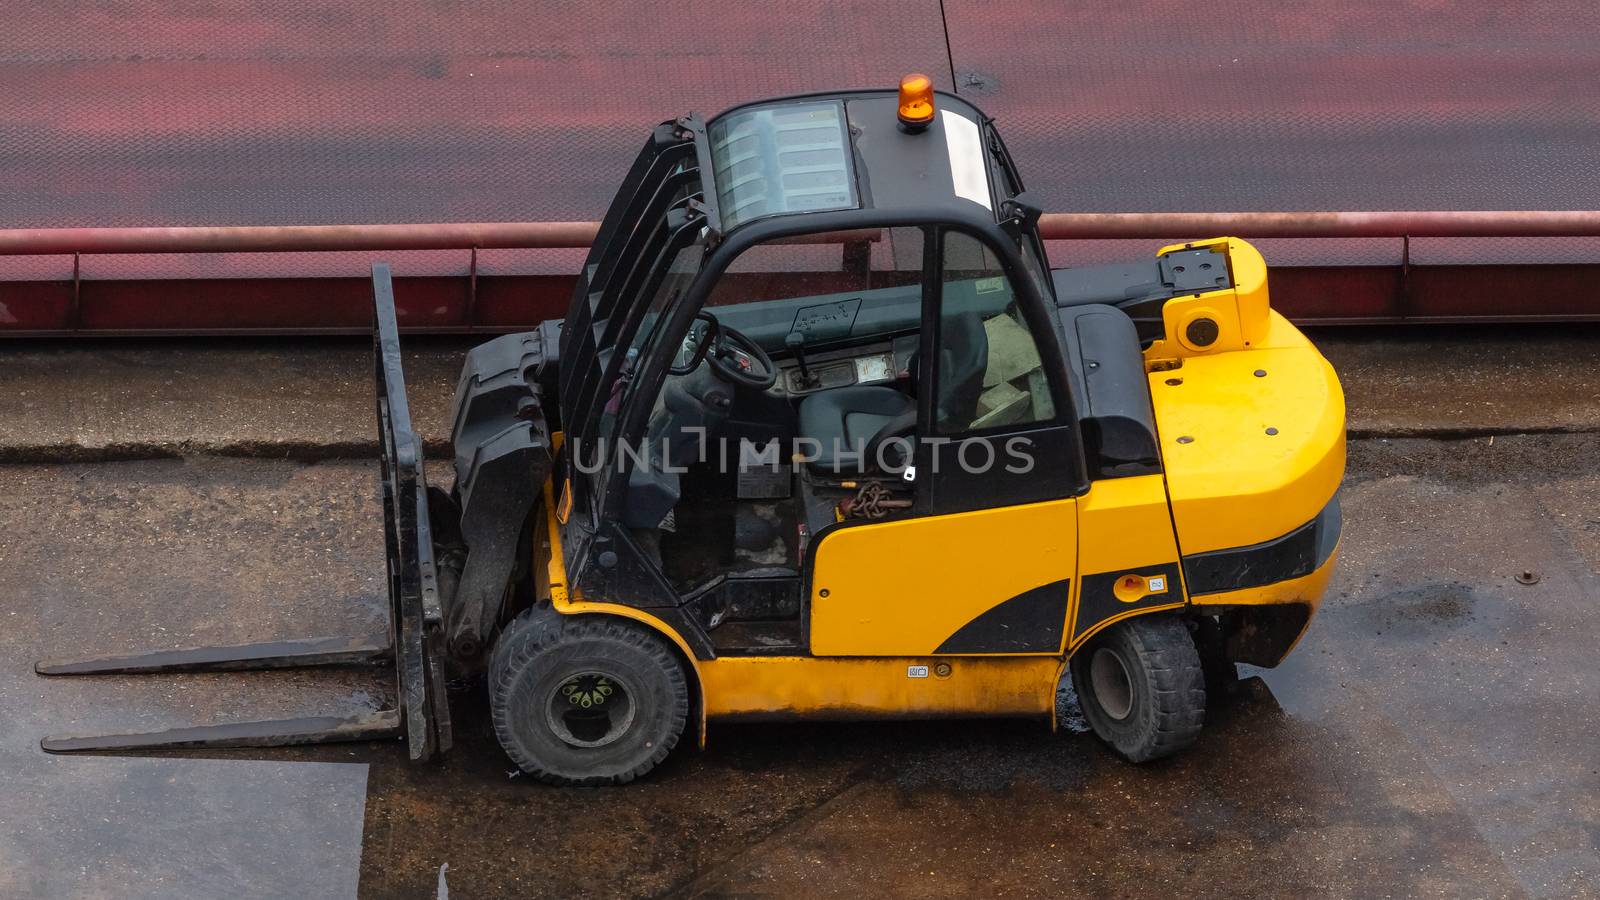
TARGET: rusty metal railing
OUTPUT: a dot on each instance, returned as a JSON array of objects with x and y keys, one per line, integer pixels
[
  {"x": 1392, "y": 224},
  {"x": 296, "y": 238},
  {"x": 268, "y": 297},
  {"x": 553, "y": 235}
]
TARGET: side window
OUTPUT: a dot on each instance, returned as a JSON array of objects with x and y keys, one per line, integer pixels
[{"x": 988, "y": 373}]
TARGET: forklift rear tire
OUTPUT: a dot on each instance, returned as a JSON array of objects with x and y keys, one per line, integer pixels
[
  {"x": 585, "y": 700},
  {"x": 1142, "y": 687}
]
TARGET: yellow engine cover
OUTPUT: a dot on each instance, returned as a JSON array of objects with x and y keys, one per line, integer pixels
[{"x": 1251, "y": 426}]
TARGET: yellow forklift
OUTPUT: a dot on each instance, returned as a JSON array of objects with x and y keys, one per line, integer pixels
[{"x": 822, "y": 435}]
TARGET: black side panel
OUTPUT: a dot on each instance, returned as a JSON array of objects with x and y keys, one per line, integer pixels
[
  {"x": 1263, "y": 635},
  {"x": 1098, "y": 601},
  {"x": 502, "y": 447},
  {"x": 613, "y": 568},
  {"x": 1294, "y": 555},
  {"x": 1030, "y": 622},
  {"x": 747, "y": 598},
  {"x": 1107, "y": 369},
  {"x": 751, "y": 615},
  {"x": 1111, "y": 283},
  {"x": 1141, "y": 288},
  {"x": 1005, "y": 469}
]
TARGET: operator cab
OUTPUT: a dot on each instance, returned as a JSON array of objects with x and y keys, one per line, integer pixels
[{"x": 802, "y": 315}]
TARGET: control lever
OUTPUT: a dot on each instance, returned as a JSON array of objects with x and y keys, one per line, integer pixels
[{"x": 796, "y": 342}]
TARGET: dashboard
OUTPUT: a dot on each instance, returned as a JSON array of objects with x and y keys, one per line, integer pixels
[{"x": 879, "y": 363}]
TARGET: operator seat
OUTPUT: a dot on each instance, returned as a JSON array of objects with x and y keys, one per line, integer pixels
[
  {"x": 849, "y": 423},
  {"x": 843, "y": 422}
]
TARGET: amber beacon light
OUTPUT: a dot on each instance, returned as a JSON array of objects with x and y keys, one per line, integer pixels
[{"x": 916, "y": 101}]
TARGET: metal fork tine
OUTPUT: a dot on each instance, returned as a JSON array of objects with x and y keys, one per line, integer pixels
[
  {"x": 268, "y": 733},
  {"x": 304, "y": 652}
]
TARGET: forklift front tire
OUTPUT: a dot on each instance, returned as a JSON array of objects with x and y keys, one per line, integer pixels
[
  {"x": 1142, "y": 687},
  {"x": 585, "y": 700}
]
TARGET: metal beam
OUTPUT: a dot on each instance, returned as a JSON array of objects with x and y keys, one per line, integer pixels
[
  {"x": 289, "y": 238},
  {"x": 553, "y": 235},
  {"x": 1392, "y": 224},
  {"x": 1492, "y": 288},
  {"x": 325, "y": 238}
]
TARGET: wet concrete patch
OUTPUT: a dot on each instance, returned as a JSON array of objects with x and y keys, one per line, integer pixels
[
  {"x": 505, "y": 836},
  {"x": 1496, "y": 700},
  {"x": 1499, "y": 460},
  {"x": 1429, "y": 738},
  {"x": 1264, "y": 806},
  {"x": 110, "y": 559},
  {"x": 162, "y": 828},
  {"x": 1464, "y": 379},
  {"x": 1429, "y": 610},
  {"x": 989, "y": 757}
]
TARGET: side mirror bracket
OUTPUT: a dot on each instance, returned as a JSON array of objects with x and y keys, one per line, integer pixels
[{"x": 1020, "y": 213}]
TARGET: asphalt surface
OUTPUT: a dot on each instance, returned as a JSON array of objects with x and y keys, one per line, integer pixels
[{"x": 1432, "y": 736}]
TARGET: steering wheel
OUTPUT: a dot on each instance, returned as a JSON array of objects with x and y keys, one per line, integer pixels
[
  {"x": 701, "y": 338},
  {"x": 732, "y": 355},
  {"x": 736, "y": 358}
]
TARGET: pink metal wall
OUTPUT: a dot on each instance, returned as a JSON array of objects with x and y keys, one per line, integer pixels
[
  {"x": 1145, "y": 105},
  {"x": 211, "y": 112},
  {"x": 238, "y": 112}
]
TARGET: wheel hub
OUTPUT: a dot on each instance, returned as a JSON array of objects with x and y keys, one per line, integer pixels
[
  {"x": 1113, "y": 687},
  {"x": 590, "y": 709}
]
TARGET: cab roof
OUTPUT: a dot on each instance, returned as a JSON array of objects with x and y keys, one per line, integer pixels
[{"x": 844, "y": 151}]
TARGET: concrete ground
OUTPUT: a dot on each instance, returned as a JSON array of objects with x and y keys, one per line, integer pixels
[
  {"x": 312, "y": 398},
  {"x": 1432, "y": 736}
]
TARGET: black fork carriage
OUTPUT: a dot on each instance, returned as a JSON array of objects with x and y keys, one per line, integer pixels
[{"x": 415, "y": 639}]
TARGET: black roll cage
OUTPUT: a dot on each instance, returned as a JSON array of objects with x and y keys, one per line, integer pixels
[
  {"x": 646, "y": 223},
  {"x": 1038, "y": 310}
]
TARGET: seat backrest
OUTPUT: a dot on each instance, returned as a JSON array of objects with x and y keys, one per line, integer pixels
[{"x": 963, "y": 359}]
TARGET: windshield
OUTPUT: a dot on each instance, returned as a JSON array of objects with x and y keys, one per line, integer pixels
[
  {"x": 791, "y": 157},
  {"x": 868, "y": 286}
]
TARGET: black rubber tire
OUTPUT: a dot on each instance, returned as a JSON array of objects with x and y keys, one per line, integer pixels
[
  {"x": 539, "y": 651},
  {"x": 1166, "y": 703}
]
